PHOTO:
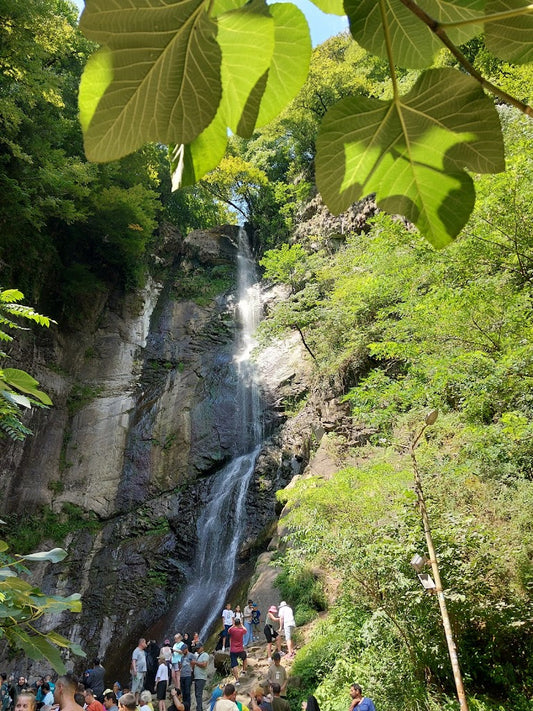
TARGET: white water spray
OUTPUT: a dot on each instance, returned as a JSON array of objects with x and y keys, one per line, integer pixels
[{"x": 221, "y": 525}]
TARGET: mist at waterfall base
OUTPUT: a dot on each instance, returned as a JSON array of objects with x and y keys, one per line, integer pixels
[{"x": 222, "y": 523}]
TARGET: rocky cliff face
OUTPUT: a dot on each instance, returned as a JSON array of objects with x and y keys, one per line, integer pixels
[{"x": 144, "y": 414}]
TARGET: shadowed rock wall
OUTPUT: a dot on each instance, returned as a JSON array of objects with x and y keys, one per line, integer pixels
[{"x": 143, "y": 415}]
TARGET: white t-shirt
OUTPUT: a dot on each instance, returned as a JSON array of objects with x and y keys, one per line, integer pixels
[
  {"x": 228, "y": 616},
  {"x": 162, "y": 672},
  {"x": 286, "y": 616}
]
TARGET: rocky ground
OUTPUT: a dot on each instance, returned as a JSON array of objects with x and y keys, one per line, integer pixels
[{"x": 256, "y": 672}]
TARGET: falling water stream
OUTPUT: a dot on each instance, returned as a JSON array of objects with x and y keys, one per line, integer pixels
[{"x": 222, "y": 523}]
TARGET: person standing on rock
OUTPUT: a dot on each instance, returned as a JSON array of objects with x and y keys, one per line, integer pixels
[
  {"x": 227, "y": 620},
  {"x": 186, "y": 676},
  {"x": 200, "y": 673},
  {"x": 161, "y": 682},
  {"x": 166, "y": 651},
  {"x": 152, "y": 654},
  {"x": 287, "y": 624},
  {"x": 277, "y": 673},
  {"x": 138, "y": 669},
  {"x": 247, "y": 615},
  {"x": 95, "y": 679},
  {"x": 177, "y": 651},
  {"x": 270, "y": 632},
  {"x": 236, "y": 635},
  {"x": 256, "y": 619}
]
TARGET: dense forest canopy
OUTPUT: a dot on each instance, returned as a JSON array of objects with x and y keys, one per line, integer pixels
[
  {"x": 234, "y": 66},
  {"x": 394, "y": 328}
]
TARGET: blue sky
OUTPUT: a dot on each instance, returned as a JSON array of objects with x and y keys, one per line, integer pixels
[{"x": 322, "y": 26}]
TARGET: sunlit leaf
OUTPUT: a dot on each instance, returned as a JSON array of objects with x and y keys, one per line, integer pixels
[
  {"x": 246, "y": 38},
  {"x": 16, "y": 399},
  {"x": 412, "y": 43},
  {"x": 412, "y": 152},
  {"x": 22, "y": 381},
  {"x": 166, "y": 75},
  {"x": 290, "y": 60},
  {"x": 333, "y": 7}
]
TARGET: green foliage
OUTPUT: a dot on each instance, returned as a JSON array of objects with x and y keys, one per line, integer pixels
[
  {"x": 17, "y": 388},
  {"x": 305, "y": 591},
  {"x": 81, "y": 395},
  {"x": 25, "y": 536},
  {"x": 22, "y": 604},
  {"x": 423, "y": 329},
  {"x": 203, "y": 285},
  {"x": 239, "y": 65}
]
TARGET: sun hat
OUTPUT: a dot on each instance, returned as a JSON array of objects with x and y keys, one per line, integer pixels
[{"x": 272, "y": 608}]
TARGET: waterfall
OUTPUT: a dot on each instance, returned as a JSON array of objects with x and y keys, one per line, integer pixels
[{"x": 222, "y": 523}]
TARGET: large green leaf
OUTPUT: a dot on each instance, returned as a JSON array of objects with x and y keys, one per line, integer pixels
[
  {"x": 246, "y": 37},
  {"x": 96, "y": 77},
  {"x": 190, "y": 163},
  {"x": 412, "y": 43},
  {"x": 290, "y": 61},
  {"x": 166, "y": 75},
  {"x": 22, "y": 381},
  {"x": 36, "y": 647},
  {"x": 412, "y": 152},
  {"x": 512, "y": 38}
]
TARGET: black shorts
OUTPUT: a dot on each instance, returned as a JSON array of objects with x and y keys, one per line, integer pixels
[
  {"x": 235, "y": 656},
  {"x": 270, "y": 633},
  {"x": 161, "y": 690}
]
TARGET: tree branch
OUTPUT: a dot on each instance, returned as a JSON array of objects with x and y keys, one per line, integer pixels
[{"x": 437, "y": 29}]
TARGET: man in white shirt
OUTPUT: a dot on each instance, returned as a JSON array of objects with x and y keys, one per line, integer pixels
[
  {"x": 227, "y": 620},
  {"x": 287, "y": 624}
]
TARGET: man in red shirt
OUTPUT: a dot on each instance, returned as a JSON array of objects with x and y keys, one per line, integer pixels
[
  {"x": 92, "y": 703},
  {"x": 236, "y": 634}
]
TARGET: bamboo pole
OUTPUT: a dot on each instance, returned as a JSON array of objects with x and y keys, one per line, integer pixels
[{"x": 452, "y": 649}]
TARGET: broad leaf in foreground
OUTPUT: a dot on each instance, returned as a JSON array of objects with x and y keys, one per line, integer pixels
[
  {"x": 290, "y": 60},
  {"x": 165, "y": 66},
  {"x": 246, "y": 37},
  {"x": 245, "y": 105},
  {"x": 510, "y": 39},
  {"x": 412, "y": 43},
  {"x": 332, "y": 7},
  {"x": 412, "y": 152}
]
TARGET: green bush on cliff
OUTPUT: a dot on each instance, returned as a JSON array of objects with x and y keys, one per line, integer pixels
[{"x": 25, "y": 535}]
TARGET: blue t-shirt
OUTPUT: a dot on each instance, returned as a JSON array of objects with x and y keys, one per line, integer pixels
[
  {"x": 366, "y": 705},
  {"x": 186, "y": 669}
]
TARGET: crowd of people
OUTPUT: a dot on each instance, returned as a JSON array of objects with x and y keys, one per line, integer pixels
[{"x": 175, "y": 667}]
